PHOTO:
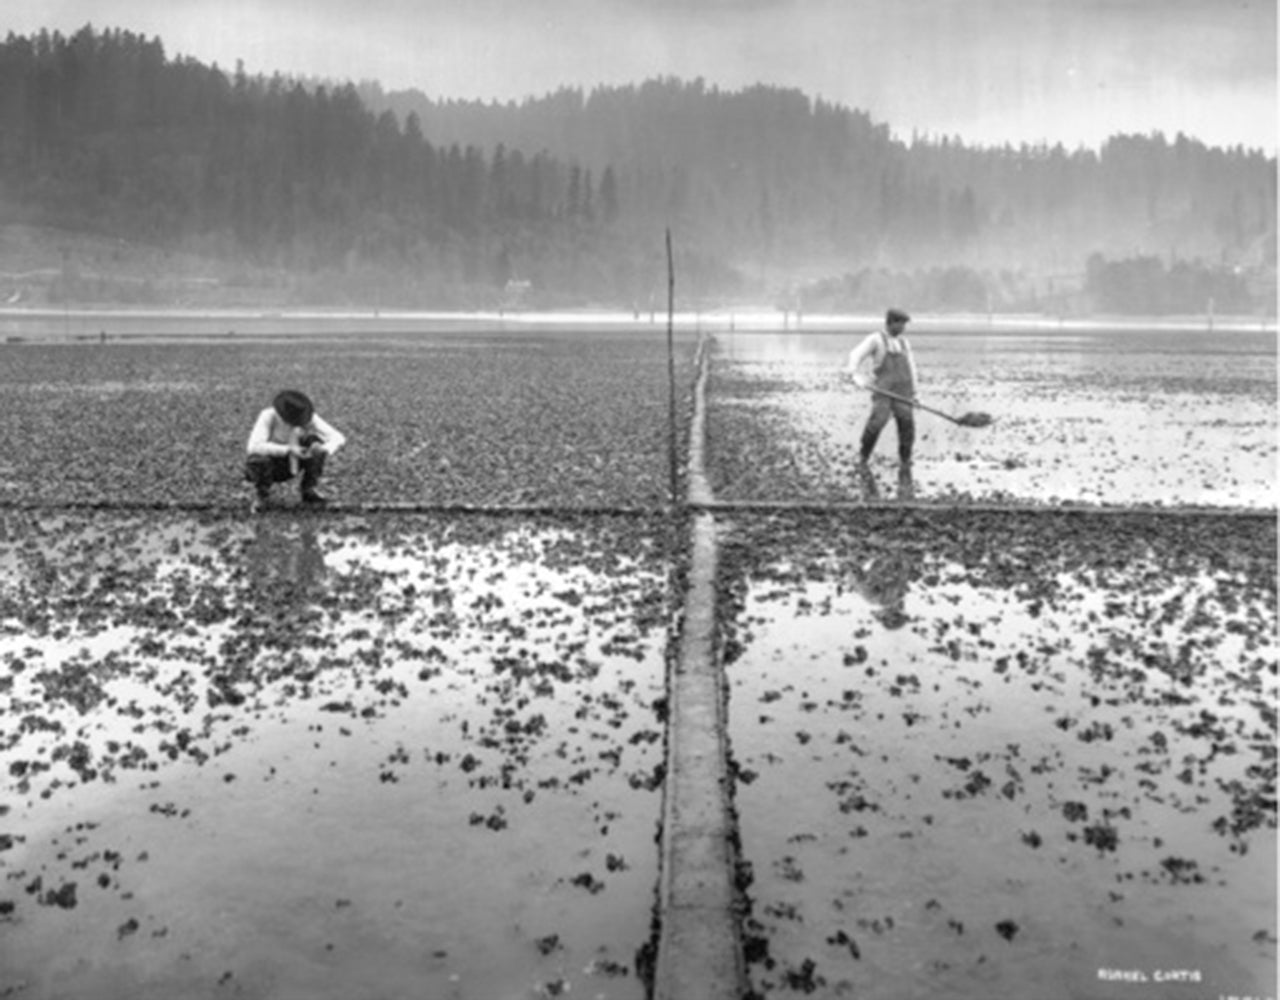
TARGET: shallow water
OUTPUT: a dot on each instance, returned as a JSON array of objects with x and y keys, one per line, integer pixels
[
  {"x": 1112, "y": 417},
  {"x": 310, "y": 757},
  {"x": 969, "y": 774}
]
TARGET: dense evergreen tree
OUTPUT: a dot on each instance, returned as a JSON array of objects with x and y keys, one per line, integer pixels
[
  {"x": 102, "y": 132},
  {"x": 1144, "y": 285},
  {"x": 768, "y": 171}
]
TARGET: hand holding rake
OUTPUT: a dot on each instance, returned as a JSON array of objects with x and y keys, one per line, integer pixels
[{"x": 968, "y": 420}]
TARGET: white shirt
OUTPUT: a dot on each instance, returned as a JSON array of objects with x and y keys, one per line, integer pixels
[
  {"x": 271, "y": 435},
  {"x": 876, "y": 346}
]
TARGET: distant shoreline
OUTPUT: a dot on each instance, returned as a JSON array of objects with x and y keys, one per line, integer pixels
[{"x": 87, "y": 323}]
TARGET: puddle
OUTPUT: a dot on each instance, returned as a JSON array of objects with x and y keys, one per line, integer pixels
[
  {"x": 1120, "y": 417},
  {"x": 318, "y": 757},
  {"x": 1005, "y": 757}
]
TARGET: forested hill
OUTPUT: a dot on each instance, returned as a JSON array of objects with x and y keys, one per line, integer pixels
[
  {"x": 775, "y": 171},
  {"x": 332, "y": 192}
]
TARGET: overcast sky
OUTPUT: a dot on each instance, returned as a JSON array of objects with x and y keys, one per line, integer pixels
[{"x": 990, "y": 71}]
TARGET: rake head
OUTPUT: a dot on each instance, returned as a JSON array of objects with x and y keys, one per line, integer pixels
[{"x": 975, "y": 420}]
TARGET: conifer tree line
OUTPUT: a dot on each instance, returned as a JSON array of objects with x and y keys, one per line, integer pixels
[
  {"x": 103, "y": 132},
  {"x": 772, "y": 162},
  {"x": 425, "y": 201},
  {"x": 779, "y": 177}
]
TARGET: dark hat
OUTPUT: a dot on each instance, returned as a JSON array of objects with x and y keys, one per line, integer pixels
[
  {"x": 294, "y": 407},
  {"x": 896, "y": 316}
]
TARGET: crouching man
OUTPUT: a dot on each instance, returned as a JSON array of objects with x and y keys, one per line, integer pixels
[{"x": 289, "y": 438}]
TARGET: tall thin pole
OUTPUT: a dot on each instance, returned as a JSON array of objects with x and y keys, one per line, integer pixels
[{"x": 671, "y": 377}]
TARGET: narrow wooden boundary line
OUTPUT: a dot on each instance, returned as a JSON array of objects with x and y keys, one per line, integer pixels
[
  {"x": 699, "y": 501},
  {"x": 131, "y": 506},
  {"x": 700, "y": 495},
  {"x": 699, "y": 945},
  {"x": 937, "y": 507},
  {"x": 699, "y": 953}
]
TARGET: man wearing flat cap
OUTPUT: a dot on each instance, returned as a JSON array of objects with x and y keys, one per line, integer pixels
[
  {"x": 289, "y": 438},
  {"x": 893, "y": 370}
]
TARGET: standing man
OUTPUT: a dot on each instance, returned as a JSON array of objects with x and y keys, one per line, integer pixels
[
  {"x": 287, "y": 438},
  {"x": 893, "y": 370}
]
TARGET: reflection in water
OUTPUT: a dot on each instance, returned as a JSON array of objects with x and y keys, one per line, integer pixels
[
  {"x": 883, "y": 580},
  {"x": 285, "y": 554},
  {"x": 312, "y": 702},
  {"x": 1054, "y": 746}
]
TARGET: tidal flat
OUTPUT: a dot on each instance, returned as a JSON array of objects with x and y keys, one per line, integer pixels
[
  {"x": 990, "y": 754},
  {"x": 1013, "y": 736},
  {"x": 315, "y": 756},
  {"x": 1112, "y": 417}
]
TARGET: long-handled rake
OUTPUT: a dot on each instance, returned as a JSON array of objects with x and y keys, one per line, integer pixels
[{"x": 968, "y": 420}]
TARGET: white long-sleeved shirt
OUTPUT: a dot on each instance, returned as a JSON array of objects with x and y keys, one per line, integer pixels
[
  {"x": 875, "y": 347},
  {"x": 271, "y": 435}
]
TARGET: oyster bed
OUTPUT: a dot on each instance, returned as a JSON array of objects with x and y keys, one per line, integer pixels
[
  {"x": 483, "y": 417},
  {"x": 977, "y": 754},
  {"x": 1116, "y": 417},
  {"x": 1004, "y": 755},
  {"x": 318, "y": 756}
]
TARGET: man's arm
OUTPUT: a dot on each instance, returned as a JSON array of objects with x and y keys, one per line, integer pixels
[
  {"x": 260, "y": 442},
  {"x": 867, "y": 349},
  {"x": 911, "y": 366},
  {"x": 331, "y": 439}
]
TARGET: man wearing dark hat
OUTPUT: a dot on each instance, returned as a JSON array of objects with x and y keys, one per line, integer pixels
[
  {"x": 287, "y": 438},
  {"x": 893, "y": 370}
]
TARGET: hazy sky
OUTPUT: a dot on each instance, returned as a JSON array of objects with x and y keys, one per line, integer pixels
[{"x": 989, "y": 71}]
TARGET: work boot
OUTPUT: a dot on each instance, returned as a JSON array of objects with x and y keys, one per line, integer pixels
[
  {"x": 867, "y": 480},
  {"x": 906, "y": 483},
  {"x": 314, "y": 496}
]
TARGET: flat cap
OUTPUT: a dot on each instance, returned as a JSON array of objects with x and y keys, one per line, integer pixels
[{"x": 896, "y": 316}]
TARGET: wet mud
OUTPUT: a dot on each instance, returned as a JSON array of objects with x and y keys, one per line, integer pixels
[
  {"x": 1010, "y": 755},
  {"x": 576, "y": 418},
  {"x": 1116, "y": 417},
  {"x": 312, "y": 756}
]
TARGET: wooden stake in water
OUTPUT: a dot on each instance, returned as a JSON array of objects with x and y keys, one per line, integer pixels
[{"x": 671, "y": 377}]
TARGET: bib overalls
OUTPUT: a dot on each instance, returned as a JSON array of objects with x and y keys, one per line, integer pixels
[{"x": 893, "y": 374}]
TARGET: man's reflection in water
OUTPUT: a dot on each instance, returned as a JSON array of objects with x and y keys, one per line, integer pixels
[
  {"x": 285, "y": 557},
  {"x": 883, "y": 580}
]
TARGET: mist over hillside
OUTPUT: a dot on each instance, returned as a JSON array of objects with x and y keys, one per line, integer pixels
[{"x": 277, "y": 189}]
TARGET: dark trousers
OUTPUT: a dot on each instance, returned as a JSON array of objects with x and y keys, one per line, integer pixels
[
  {"x": 264, "y": 471},
  {"x": 881, "y": 409}
]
